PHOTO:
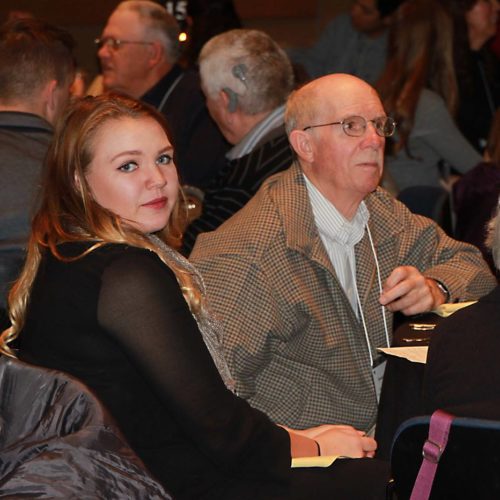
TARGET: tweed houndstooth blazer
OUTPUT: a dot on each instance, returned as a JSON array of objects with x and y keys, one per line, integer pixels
[{"x": 294, "y": 344}]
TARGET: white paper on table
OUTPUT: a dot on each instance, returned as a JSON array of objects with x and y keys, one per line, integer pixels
[
  {"x": 416, "y": 354},
  {"x": 322, "y": 461},
  {"x": 445, "y": 310}
]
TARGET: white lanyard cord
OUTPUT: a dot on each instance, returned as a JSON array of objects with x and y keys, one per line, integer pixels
[
  {"x": 379, "y": 285},
  {"x": 382, "y": 307}
]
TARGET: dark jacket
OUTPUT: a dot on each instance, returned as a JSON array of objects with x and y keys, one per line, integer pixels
[{"x": 57, "y": 441}]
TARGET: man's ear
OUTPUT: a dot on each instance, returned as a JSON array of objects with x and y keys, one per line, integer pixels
[
  {"x": 155, "y": 53},
  {"x": 302, "y": 145},
  {"x": 230, "y": 99},
  {"x": 49, "y": 101}
]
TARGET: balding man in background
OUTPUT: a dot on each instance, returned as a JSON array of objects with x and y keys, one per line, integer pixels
[
  {"x": 246, "y": 78},
  {"x": 36, "y": 72},
  {"x": 306, "y": 277},
  {"x": 138, "y": 51}
]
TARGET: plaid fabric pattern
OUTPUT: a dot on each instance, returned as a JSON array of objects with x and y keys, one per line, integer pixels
[
  {"x": 237, "y": 182},
  {"x": 293, "y": 343}
]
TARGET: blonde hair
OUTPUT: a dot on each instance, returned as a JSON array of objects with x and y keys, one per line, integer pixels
[{"x": 69, "y": 213}]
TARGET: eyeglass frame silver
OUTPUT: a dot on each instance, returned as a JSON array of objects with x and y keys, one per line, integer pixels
[
  {"x": 342, "y": 122},
  {"x": 115, "y": 43}
]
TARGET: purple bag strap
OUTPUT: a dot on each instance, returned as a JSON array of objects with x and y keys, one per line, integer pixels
[{"x": 434, "y": 446}]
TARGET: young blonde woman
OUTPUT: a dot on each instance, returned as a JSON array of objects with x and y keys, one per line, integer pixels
[{"x": 104, "y": 297}]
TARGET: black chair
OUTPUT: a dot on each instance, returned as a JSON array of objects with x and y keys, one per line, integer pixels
[
  {"x": 58, "y": 442},
  {"x": 469, "y": 467}
]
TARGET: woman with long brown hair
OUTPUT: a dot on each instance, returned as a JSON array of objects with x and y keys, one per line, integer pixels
[
  {"x": 105, "y": 297},
  {"x": 419, "y": 89},
  {"x": 476, "y": 67}
]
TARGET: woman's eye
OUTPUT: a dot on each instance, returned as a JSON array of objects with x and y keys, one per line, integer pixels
[
  {"x": 164, "y": 159},
  {"x": 128, "y": 167}
]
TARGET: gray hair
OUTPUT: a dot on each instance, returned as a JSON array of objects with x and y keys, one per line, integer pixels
[
  {"x": 250, "y": 66},
  {"x": 302, "y": 107},
  {"x": 493, "y": 239},
  {"x": 160, "y": 24}
]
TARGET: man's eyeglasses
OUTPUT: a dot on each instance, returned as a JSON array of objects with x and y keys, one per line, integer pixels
[
  {"x": 114, "y": 43},
  {"x": 355, "y": 126}
]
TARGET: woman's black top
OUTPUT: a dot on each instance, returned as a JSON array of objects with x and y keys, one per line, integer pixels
[{"x": 117, "y": 320}]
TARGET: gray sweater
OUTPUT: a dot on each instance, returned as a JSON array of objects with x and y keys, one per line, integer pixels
[
  {"x": 343, "y": 49},
  {"x": 434, "y": 138},
  {"x": 24, "y": 139}
]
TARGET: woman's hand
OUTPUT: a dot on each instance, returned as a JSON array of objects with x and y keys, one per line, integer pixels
[
  {"x": 342, "y": 440},
  {"x": 346, "y": 441}
]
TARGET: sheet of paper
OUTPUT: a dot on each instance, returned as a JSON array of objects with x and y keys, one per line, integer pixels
[
  {"x": 325, "y": 461},
  {"x": 445, "y": 310},
  {"x": 416, "y": 354}
]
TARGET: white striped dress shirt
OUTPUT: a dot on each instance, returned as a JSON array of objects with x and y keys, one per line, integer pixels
[{"x": 339, "y": 236}]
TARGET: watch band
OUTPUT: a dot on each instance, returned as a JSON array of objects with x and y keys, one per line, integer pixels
[{"x": 444, "y": 290}]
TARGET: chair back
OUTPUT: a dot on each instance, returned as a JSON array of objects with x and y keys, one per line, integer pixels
[{"x": 469, "y": 466}]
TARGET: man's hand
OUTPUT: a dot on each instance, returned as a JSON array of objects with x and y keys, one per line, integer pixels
[{"x": 409, "y": 291}]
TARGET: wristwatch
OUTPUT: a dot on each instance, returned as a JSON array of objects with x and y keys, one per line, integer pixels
[{"x": 444, "y": 290}]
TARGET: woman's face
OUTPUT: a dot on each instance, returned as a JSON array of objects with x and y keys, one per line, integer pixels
[
  {"x": 482, "y": 22},
  {"x": 132, "y": 172}
]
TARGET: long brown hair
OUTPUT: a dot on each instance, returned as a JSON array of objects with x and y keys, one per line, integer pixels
[
  {"x": 493, "y": 146},
  {"x": 68, "y": 211},
  {"x": 420, "y": 55}
]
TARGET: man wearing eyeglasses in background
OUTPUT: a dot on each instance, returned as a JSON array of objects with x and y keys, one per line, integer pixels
[
  {"x": 138, "y": 50},
  {"x": 306, "y": 277}
]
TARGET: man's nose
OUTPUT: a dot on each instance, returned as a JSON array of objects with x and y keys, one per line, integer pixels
[
  {"x": 103, "y": 51},
  {"x": 371, "y": 137}
]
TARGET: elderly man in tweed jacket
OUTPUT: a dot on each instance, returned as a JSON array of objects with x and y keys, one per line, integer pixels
[{"x": 306, "y": 276}]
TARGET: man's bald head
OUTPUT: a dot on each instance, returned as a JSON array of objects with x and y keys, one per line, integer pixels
[{"x": 319, "y": 99}]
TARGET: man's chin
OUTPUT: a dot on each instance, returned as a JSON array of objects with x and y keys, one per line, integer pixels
[{"x": 108, "y": 82}]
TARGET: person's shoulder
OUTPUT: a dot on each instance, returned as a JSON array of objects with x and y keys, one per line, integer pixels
[
  {"x": 381, "y": 203},
  {"x": 340, "y": 22},
  {"x": 468, "y": 327},
  {"x": 430, "y": 98},
  {"x": 123, "y": 252},
  {"x": 389, "y": 215},
  {"x": 430, "y": 105},
  {"x": 251, "y": 230},
  {"x": 133, "y": 263},
  {"x": 270, "y": 156}
]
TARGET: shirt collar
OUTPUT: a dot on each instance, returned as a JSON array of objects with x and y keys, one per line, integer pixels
[
  {"x": 331, "y": 223},
  {"x": 155, "y": 94},
  {"x": 253, "y": 138}
]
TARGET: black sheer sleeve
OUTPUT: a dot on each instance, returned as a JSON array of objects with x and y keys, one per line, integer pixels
[{"x": 142, "y": 307}]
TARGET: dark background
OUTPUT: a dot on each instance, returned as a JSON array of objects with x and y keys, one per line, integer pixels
[{"x": 290, "y": 22}]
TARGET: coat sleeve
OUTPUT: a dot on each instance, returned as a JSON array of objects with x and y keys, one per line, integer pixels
[
  {"x": 142, "y": 308},
  {"x": 252, "y": 335},
  {"x": 458, "y": 265}
]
